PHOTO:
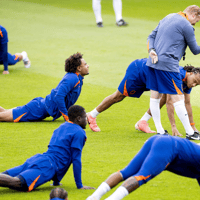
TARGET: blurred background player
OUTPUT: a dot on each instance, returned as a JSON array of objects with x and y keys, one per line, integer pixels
[
  {"x": 8, "y": 59},
  {"x": 166, "y": 45},
  {"x": 58, "y": 101},
  {"x": 117, "y": 5},
  {"x": 134, "y": 84},
  {"x": 58, "y": 194},
  {"x": 190, "y": 78},
  {"x": 159, "y": 153},
  {"x": 64, "y": 149}
]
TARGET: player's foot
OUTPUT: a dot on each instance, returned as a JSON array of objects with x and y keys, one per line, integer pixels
[
  {"x": 92, "y": 123},
  {"x": 165, "y": 133},
  {"x": 100, "y": 24},
  {"x": 26, "y": 60},
  {"x": 121, "y": 22},
  {"x": 195, "y": 136},
  {"x": 142, "y": 125}
]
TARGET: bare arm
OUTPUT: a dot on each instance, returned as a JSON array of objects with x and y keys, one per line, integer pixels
[
  {"x": 170, "y": 112},
  {"x": 189, "y": 110}
]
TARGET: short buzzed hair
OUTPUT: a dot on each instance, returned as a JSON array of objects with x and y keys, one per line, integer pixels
[
  {"x": 59, "y": 193},
  {"x": 193, "y": 10},
  {"x": 75, "y": 111}
]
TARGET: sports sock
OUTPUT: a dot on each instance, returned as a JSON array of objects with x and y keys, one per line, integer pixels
[
  {"x": 155, "y": 111},
  {"x": 117, "y": 5},
  {"x": 181, "y": 111},
  {"x": 96, "y": 5},
  {"x": 94, "y": 113},
  {"x": 101, "y": 190},
  {"x": 24, "y": 55},
  {"x": 146, "y": 117},
  {"x": 120, "y": 193}
]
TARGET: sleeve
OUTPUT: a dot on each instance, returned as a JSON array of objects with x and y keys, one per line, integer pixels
[
  {"x": 151, "y": 38},
  {"x": 191, "y": 40},
  {"x": 4, "y": 52},
  {"x": 78, "y": 141},
  {"x": 64, "y": 89},
  {"x": 77, "y": 166}
]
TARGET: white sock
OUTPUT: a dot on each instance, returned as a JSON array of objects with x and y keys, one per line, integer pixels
[
  {"x": 146, "y": 117},
  {"x": 155, "y": 111},
  {"x": 120, "y": 193},
  {"x": 117, "y": 5},
  {"x": 96, "y": 5},
  {"x": 24, "y": 55},
  {"x": 101, "y": 190},
  {"x": 183, "y": 116},
  {"x": 94, "y": 113}
]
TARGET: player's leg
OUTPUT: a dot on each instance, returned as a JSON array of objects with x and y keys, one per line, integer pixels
[
  {"x": 104, "y": 105},
  {"x": 117, "y": 5},
  {"x": 6, "y": 116},
  {"x": 10, "y": 182},
  {"x": 13, "y": 59},
  {"x": 132, "y": 168},
  {"x": 160, "y": 155},
  {"x": 96, "y": 5},
  {"x": 142, "y": 124}
]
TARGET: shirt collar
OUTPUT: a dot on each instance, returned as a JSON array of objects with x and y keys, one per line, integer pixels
[{"x": 183, "y": 14}]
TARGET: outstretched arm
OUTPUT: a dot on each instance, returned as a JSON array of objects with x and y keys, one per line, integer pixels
[
  {"x": 4, "y": 51},
  {"x": 189, "y": 110},
  {"x": 170, "y": 112}
]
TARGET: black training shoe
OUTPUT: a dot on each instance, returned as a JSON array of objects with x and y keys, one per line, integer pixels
[
  {"x": 195, "y": 136},
  {"x": 121, "y": 22},
  {"x": 166, "y": 133},
  {"x": 100, "y": 24}
]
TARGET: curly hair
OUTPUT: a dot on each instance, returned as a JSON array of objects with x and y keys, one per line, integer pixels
[
  {"x": 73, "y": 62},
  {"x": 59, "y": 193},
  {"x": 193, "y": 9},
  {"x": 75, "y": 111},
  {"x": 190, "y": 68}
]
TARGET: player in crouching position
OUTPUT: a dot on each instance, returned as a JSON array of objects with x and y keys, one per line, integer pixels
[
  {"x": 159, "y": 153},
  {"x": 8, "y": 59},
  {"x": 190, "y": 78},
  {"x": 58, "y": 101},
  {"x": 134, "y": 84},
  {"x": 65, "y": 147}
]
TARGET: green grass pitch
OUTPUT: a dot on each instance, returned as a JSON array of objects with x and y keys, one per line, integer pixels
[{"x": 50, "y": 31}]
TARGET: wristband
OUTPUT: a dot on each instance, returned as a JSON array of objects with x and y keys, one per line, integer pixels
[{"x": 192, "y": 124}]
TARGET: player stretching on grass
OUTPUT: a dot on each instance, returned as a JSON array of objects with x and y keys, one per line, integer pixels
[
  {"x": 134, "y": 84},
  {"x": 58, "y": 101},
  {"x": 191, "y": 78},
  {"x": 65, "y": 148},
  {"x": 167, "y": 44},
  {"x": 8, "y": 59},
  {"x": 159, "y": 153}
]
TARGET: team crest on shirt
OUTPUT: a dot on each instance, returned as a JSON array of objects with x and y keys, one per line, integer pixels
[{"x": 132, "y": 92}]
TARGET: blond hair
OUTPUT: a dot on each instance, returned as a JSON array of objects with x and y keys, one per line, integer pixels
[{"x": 192, "y": 10}]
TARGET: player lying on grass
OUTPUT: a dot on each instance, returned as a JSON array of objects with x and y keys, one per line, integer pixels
[
  {"x": 190, "y": 77},
  {"x": 159, "y": 153},
  {"x": 64, "y": 149},
  {"x": 58, "y": 194},
  {"x": 8, "y": 59},
  {"x": 58, "y": 101},
  {"x": 134, "y": 84}
]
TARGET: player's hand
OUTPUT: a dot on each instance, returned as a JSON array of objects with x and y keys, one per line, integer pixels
[
  {"x": 153, "y": 55},
  {"x": 87, "y": 188},
  {"x": 175, "y": 132},
  {"x": 194, "y": 128},
  {"x": 5, "y": 72}
]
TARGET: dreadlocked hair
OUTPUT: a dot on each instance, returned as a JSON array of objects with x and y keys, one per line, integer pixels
[
  {"x": 73, "y": 62},
  {"x": 59, "y": 193},
  {"x": 190, "y": 68}
]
